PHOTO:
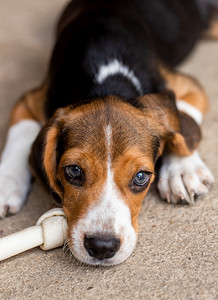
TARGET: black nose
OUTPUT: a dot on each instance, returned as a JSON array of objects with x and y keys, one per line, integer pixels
[{"x": 101, "y": 248}]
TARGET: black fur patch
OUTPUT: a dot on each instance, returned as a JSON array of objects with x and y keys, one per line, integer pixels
[{"x": 138, "y": 33}]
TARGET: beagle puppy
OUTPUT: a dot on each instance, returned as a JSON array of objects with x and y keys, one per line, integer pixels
[{"x": 110, "y": 105}]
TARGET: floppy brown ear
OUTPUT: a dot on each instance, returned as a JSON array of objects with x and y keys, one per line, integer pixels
[
  {"x": 178, "y": 131},
  {"x": 43, "y": 156},
  {"x": 187, "y": 140}
]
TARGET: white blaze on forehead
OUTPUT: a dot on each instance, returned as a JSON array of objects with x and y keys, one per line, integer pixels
[
  {"x": 108, "y": 134},
  {"x": 116, "y": 67},
  {"x": 110, "y": 210},
  {"x": 117, "y": 210},
  {"x": 108, "y": 216}
]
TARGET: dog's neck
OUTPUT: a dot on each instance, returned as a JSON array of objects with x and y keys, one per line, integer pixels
[{"x": 116, "y": 67}]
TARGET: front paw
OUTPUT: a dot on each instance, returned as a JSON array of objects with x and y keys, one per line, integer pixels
[
  {"x": 12, "y": 194},
  {"x": 184, "y": 179}
]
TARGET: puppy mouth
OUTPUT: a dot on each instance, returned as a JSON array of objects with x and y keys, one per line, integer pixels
[{"x": 107, "y": 262}]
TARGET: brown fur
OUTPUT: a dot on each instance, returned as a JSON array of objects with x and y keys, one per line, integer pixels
[
  {"x": 30, "y": 107},
  {"x": 49, "y": 160},
  {"x": 190, "y": 130},
  {"x": 141, "y": 132},
  {"x": 83, "y": 142},
  {"x": 186, "y": 89},
  {"x": 72, "y": 136},
  {"x": 87, "y": 147},
  {"x": 162, "y": 109}
]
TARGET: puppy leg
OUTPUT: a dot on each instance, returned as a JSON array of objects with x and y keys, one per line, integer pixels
[
  {"x": 183, "y": 179},
  {"x": 15, "y": 176}
]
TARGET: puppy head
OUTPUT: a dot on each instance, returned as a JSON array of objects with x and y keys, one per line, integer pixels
[{"x": 98, "y": 159}]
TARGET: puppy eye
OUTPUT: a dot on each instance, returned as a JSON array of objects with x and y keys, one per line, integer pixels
[
  {"x": 140, "y": 178},
  {"x": 140, "y": 182},
  {"x": 74, "y": 175},
  {"x": 73, "y": 171}
]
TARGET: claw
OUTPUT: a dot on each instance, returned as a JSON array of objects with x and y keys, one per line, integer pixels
[
  {"x": 207, "y": 184},
  {"x": 185, "y": 178},
  {"x": 191, "y": 197},
  {"x": 6, "y": 210},
  {"x": 168, "y": 198},
  {"x": 181, "y": 196},
  {"x": 197, "y": 196}
]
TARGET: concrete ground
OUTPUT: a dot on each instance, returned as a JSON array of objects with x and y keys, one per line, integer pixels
[{"x": 176, "y": 254}]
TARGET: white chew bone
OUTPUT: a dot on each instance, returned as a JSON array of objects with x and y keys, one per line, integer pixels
[{"x": 50, "y": 232}]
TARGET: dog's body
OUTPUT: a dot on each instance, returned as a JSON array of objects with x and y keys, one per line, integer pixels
[
  {"x": 108, "y": 115},
  {"x": 110, "y": 36}
]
